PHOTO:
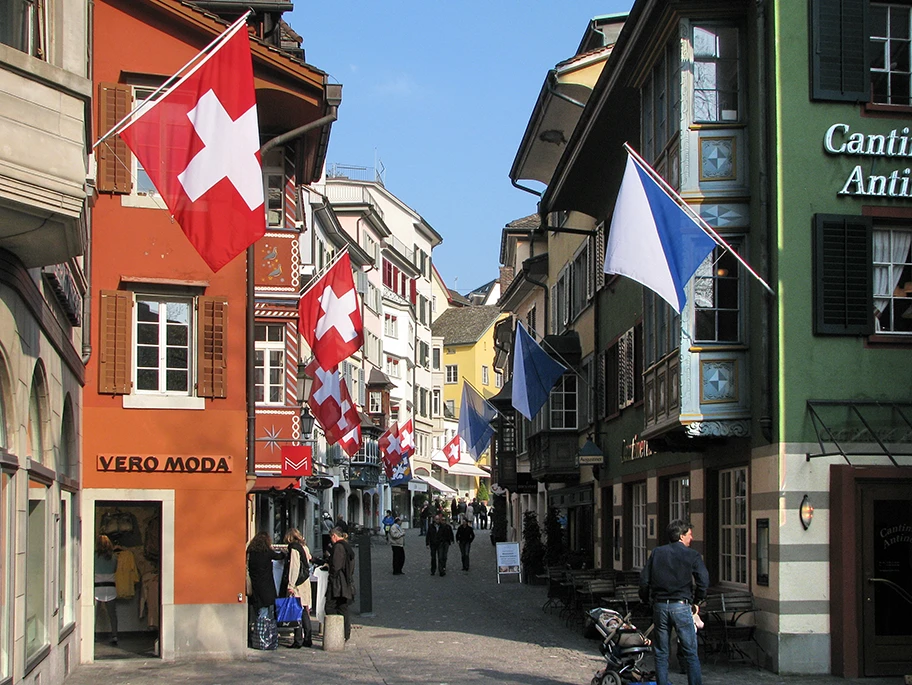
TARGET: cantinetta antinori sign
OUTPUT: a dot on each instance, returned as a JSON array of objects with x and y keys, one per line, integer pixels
[{"x": 839, "y": 139}]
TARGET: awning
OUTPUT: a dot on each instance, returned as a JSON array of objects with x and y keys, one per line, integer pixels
[
  {"x": 436, "y": 484},
  {"x": 268, "y": 482},
  {"x": 862, "y": 428},
  {"x": 464, "y": 467}
]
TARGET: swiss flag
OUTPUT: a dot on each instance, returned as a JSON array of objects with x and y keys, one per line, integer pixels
[
  {"x": 331, "y": 316},
  {"x": 351, "y": 441},
  {"x": 349, "y": 421},
  {"x": 325, "y": 395},
  {"x": 390, "y": 449},
  {"x": 452, "y": 449},
  {"x": 200, "y": 145},
  {"x": 407, "y": 438},
  {"x": 297, "y": 461}
]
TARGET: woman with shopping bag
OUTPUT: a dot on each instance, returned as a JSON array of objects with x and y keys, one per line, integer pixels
[{"x": 296, "y": 581}]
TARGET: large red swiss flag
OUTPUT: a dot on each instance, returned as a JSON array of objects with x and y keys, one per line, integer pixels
[
  {"x": 330, "y": 315},
  {"x": 200, "y": 145}
]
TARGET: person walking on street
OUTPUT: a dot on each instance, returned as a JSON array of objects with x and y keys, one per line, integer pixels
[
  {"x": 423, "y": 517},
  {"x": 397, "y": 542},
  {"x": 387, "y": 523},
  {"x": 326, "y": 526},
  {"x": 438, "y": 540},
  {"x": 296, "y": 581},
  {"x": 340, "y": 590},
  {"x": 674, "y": 580},
  {"x": 482, "y": 513},
  {"x": 470, "y": 514},
  {"x": 464, "y": 536}
]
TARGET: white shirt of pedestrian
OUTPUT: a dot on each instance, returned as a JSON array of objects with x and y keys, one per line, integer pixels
[
  {"x": 337, "y": 313},
  {"x": 230, "y": 152}
]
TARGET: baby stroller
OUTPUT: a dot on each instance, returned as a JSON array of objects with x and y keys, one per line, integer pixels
[{"x": 623, "y": 647}]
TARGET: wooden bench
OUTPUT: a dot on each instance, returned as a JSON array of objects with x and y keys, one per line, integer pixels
[{"x": 729, "y": 624}]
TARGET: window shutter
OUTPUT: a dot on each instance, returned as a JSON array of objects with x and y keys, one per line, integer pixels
[
  {"x": 638, "y": 362},
  {"x": 843, "y": 275},
  {"x": 115, "y": 342},
  {"x": 212, "y": 348},
  {"x": 839, "y": 50},
  {"x": 598, "y": 258},
  {"x": 114, "y": 162}
]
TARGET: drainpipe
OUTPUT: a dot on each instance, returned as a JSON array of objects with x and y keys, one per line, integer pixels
[
  {"x": 333, "y": 100},
  {"x": 766, "y": 310}
]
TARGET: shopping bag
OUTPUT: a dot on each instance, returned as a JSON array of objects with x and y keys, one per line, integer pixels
[
  {"x": 288, "y": 610},
  {"x": 264, "y": 633}
]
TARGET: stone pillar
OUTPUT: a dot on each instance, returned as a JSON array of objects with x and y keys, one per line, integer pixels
[{"x": 334, "y": 633}]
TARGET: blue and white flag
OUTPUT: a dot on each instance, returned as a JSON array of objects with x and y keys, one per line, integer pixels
[
  {"x": 475, "y": 416},
  {"x": 652, "y": 239},
  {"x": 402, "y": 472},
  {"x": 534, "y": 374}
]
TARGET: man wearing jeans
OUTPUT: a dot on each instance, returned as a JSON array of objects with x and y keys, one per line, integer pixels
[{"x": 674, "y": 580}]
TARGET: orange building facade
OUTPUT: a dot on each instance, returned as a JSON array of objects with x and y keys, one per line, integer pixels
[{"x": 167, "y": 471}]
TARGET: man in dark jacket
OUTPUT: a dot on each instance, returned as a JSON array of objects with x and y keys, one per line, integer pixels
[
  {"x": 675, "y": 580},
  {"x": 464, "y": 536},
  {"x": 340, "y": 590},
  {"x": 438, "y": 539}
]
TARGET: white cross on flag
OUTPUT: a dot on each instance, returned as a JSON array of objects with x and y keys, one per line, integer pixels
[
  {"x": 452, "y": 449},
  {"x": 325, "y": 395},
  {"x": 330, "y": 315},
  {"x": 342, "y": 431},
  {"x": 200, "y": 145},
  {"x": 407, "y": 438},
  {"x": 390, "y": 449}
]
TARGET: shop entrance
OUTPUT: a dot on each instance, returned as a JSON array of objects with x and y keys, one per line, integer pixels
[
  {"x": 134, "y": 602},
  {"x": 886, "y": 578}
]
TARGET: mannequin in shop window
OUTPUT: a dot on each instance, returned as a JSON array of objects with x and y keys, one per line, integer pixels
[{"x": 105, "y": 586}]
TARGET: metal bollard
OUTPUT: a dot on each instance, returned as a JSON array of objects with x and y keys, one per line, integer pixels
[
  {"x": 334, "y": 633},
  {"x": 365, "y": 589}
]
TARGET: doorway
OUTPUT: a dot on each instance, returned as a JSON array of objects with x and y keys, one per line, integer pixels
[
  {"x": 134, "y": 529},
  {"x": 886, "y": 577}
]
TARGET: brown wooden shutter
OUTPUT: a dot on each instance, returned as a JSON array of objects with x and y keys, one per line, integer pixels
[
  {"x": 840, "y": 33},
  {"x": 115, "y": 342},
  {"x": 114, "y": 160},
  {"x": 843, "y": 275},
  {"x": 212, "y": 348}
]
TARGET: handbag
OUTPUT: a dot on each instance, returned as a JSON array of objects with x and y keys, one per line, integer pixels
[
  {"x": 288, "y": 611},
  {"x": 264, "y": 633}
]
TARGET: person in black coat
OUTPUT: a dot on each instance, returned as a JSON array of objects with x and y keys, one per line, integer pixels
[
  {"x": 438, "y": 539},
  {"x": 464, "y": 536},
  {"x": 260, "y": 556},
  {"x": 340, "y": 590}
]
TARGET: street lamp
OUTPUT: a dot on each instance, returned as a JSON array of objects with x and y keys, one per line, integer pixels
[{"x": 307, "y": 421}]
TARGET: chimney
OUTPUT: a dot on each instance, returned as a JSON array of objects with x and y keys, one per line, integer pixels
[{"x": 507, "y": 274}]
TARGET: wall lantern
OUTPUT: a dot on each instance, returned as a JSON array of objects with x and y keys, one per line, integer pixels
[
  {"x": 307, "y": 421},
  {"x": 806, "y": 511}
]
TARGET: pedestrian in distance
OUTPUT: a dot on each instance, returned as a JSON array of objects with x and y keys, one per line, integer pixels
[
  {"x": 296, "y": 581},
  {"x": 464, "y": 536},
  {"x": 438, "y": 539},
  {"x": 482, "y": 513},
  {"x": 469, "y": 514},
  {"x": 341, "y": 524},
  {"x": 326, "y": 525},
  {"x": 674, "y": 580},
  {"x": 454, "y": 510},
  {"x": 397, "y": 542},
  {"x": 424, "y": 516},
  {"x": 387, "y": 523},
  {"x": 340, "y": 590},
  {"x": 105, "y": 586}
]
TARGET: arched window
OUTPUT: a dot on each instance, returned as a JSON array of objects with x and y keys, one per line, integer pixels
[
  {"x": 68, "y": 460},
  {"x": 36, "y": 417}
]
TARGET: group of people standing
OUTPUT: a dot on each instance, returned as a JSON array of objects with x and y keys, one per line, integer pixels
[
  {"x": 338, "y": 559},
  {"x": 461, "y": 508}
]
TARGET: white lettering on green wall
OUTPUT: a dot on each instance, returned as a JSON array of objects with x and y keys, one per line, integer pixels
[{"x": 839, "y": 139}]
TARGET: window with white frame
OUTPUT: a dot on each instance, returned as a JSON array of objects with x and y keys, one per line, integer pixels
[
  {"x": 562, "y": 403},
  {"x": 422, "y": 402},
  {"x": 274, "y": 182},
  {"x": 892, "y": 280},
  {"x": 626, "y": 369},
  {"x": 67, "y": 562},
  {"x": 717, "y": 298},
  {"x": 498, "y": 379},
  {"x": 580, "y": 281},
  {"x": 530, "y": 320},
  {"x": 452, "y": 373},
  {"x": 391, "y": 325},
  {"x": 716, "y": 73},
  {"x": 373, "y": 349},
  {"x": 435, "y": 365},
  {"x": 376, "y": 402},
  {"x": 449, "y": 408},
  {"x": 36, "y": 568},
  {"x": 679, "y": 498},
  {"x": 392, "y": 367},
  {"x": 423, "y": 354},
  {"x": 485, "y": 375},
  {"x": 435, "y": 402},
  {"x": 163, "y": 345},
  {"x": 661, "y": 105},
  {"x": 733, "y": 551},
  {"x": 638, "y": 524},
  {"x": 143, "y": 192},
  {"x": 22, "y": 26},
  {"x": 269, "y": 363},
  {"x": 373, "y": 300},
  {"x": 891, "y": 69}
]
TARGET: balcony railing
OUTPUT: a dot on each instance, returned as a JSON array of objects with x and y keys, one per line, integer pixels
[{"x": 355, "y": 173}]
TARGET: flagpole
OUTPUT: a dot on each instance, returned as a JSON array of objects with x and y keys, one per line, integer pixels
[
  {"x": 316, "y": 277},
  {"x": 177, "y": 76},
  {"x": 700, "y": 221}
]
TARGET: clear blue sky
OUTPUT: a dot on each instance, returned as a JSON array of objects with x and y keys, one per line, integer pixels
[{"x": 440, "y": 93}]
